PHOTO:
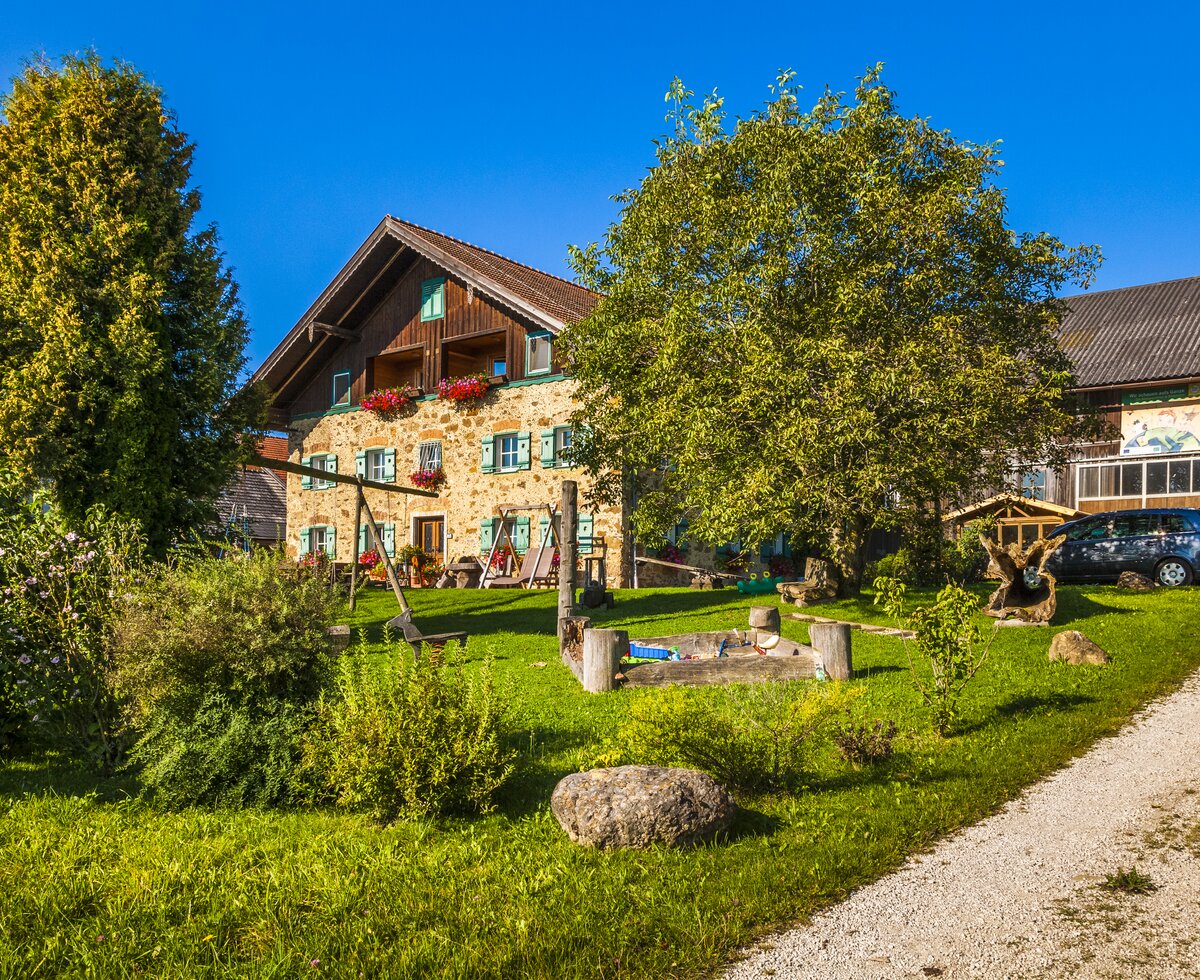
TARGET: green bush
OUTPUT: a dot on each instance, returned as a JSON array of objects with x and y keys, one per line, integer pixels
[
  {"x": 60, "y": 584},
  {"x": 965, "y": 558},
  {"x": 405, "y": 737},
  {"x": 757, "y": 737},
  {"x": 223, "y": 662}
]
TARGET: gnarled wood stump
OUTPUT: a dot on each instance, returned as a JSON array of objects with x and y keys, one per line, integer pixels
[{"x": 1027, "y": 589}]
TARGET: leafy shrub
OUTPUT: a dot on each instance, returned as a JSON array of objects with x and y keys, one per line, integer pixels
[
  {"x": 223, "y": 662},
  {"x": 60, "y": 584},
  {"x": 863, "y": 743},
  {"x": 411, "y": 737},
  {"x": 964, "y": 558},
  {"x": 899, "y": 565},
  {"x": 947, "y": 640},
  {"x": 757, "y": 737}
]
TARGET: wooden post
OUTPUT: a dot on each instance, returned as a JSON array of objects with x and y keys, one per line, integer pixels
[
  {"x": 571, "y": 632},
  {"x": 393, "y": 580},
  {"x": 358, "y": 506},
  {"x": 602, "y": 652},
  {"x": 832, "y": 643},
  {"x": 568, "y": 532},
  {"x": 765, "y": 618}
]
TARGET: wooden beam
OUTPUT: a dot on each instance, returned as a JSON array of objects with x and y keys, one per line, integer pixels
[
  {"x": 329, "y": 328},
  {"x": 301, "y": 470}
]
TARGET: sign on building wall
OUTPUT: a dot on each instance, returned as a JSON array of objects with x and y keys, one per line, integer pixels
[{"x": 1161, "y": 421}]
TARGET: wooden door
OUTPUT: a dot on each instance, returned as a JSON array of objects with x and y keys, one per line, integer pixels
[{"x": 430, "y": 534}]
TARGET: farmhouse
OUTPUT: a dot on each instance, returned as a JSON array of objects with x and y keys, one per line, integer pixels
[
  {"x": 1136, "y": 353},
  {"x": 410, "y": 309}
]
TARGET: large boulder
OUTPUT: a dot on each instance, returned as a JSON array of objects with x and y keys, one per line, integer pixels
[
  {"x": 1072, "y": 647},
  {"x": 636, "y": 806},
  {"x": 1135, "y": 581}
]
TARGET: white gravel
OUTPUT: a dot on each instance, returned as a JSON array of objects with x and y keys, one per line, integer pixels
[{"x": 1019, "y": 894}]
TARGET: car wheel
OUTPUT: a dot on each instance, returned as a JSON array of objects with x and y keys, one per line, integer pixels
[{"x": 1173, "y": 572}]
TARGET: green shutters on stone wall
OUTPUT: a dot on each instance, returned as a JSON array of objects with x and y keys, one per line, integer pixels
[
  {"x": 305, "y": 538},
  {"x": 523, "y": 439},
  {"x": 489, "y": 455},
  {"x": 543, "y": 530},
  {"x": 389, "y": 466},
  {"x": 388, "y": 532},
  {"x": 584, "y": 534},
  {"x": 487, "y": 531},
  {"x": 548, "y": 456},
  {"x": 364, "y": 538},
  {"x": 306, "y": 481},
  {"x": 360, "y": 463},
  {"x": 331, "y": 542},
  {"x": 433, "y": 299},
  {"x": 521, "y": 535}
]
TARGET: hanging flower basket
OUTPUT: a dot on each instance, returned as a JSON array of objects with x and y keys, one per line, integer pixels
[
  {"x": 464, "y": 390},
  {"x": 386, "y": 400},
  {"x": 369, "y": 559},
  {"x": 428, "y": 479}
]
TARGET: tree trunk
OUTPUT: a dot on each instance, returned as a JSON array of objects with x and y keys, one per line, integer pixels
[{"x": 846, "y": 545}]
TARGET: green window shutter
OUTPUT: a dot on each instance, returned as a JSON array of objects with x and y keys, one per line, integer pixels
[
  {"x": 486, "y": 534},
  {"x": 584, "y": 536},
  {"x": 331, "y": 466},
  {"x": 433, "y": 299},
  {"x": 306, "y": 481},
  {"x": 544, "y": 530},
  {"x": 548, "y": 460},
  {"x": 360, "y": 463},
  {"x": 522, "y": 450},
  {"x": 364, "y": 536},
  {"x": 389, "y": 466},
  {"x": 331, "y": 542},
  {"x": 305, "y": 538},
  {"x": 389, "y": 538},
  {"x": 521, "y": 535},
  {"x": 489, "y": 455}
]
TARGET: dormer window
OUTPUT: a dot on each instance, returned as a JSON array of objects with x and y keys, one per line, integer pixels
[{"x": 341, "y": 389}]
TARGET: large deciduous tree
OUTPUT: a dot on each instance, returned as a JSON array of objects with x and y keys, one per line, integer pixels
[
  {"x": 121, "y": 333},
  {"x": 818, "y": 322}
]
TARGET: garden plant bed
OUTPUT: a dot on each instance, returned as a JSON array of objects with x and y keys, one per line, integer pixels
[{"x": 99, "y": 882}]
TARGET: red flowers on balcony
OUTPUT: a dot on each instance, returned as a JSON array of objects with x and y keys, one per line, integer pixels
[
  {"x": 428, "y": 479},
  {"x": 468, "y": 389},
  {"x": 384, "y": 400}
]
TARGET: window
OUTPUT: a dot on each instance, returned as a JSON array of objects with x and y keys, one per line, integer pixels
[
  {"x": 556, "y": 447},
  {"x": 1033, "y": 484},
  {"x": 433, "y": 299},
  {"x": 508, "y": 452},
  {"x": 1135, "y": 525},
  {"x": 377, "y": 465},
  {"x": 499, "y": 366},
  {"x": 1088, "y": 531},
  {"x": 537, "y": 353},
  {"x": 429, "y": 455},
  {"x": 1175, "y": 524},
  {"x": 341, "y": 388},
  {"x": 327, "y": 462},
  {"x": 318, "y": 539},
  {"x": 1149, "y": 478},
  {"x": 505, "y": 452}
]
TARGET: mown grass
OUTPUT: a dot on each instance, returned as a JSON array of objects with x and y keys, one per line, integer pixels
[{"x": 94, "y": 882}]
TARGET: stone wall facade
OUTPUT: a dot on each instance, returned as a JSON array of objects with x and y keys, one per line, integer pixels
[{"x": 470, "y": 495}]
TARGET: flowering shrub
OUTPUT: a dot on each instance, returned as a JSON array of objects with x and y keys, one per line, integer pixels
[
  {"x": 468, "y": 389},
  {"x": 669, "y": 552},
  {"x": 369, "y": 560},
  {"x": 428, "y": 479},
  {"x": 426, "y": 565},
  {"x": 384, "y": 400},
  {"x": 501, "y": 557},
  {"x": 60, "y": 585}
]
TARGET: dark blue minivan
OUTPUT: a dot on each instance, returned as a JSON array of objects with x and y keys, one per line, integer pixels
[{"x": 1163, "y": 543}]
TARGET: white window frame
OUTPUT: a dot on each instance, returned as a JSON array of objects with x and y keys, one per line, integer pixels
[
  {"x": 564, "y": 438},
  {"x": 1192, "y": 460},
  {"x": 313, "y": 546},
  {"x": 321, "y": 462},
  {"x": 541, "y": 336},
  {"x": 502, "y": 440},
  {"x": 377, "y": 465}
]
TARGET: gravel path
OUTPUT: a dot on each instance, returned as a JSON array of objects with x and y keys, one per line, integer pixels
[{"x": 1019, "y": 894}]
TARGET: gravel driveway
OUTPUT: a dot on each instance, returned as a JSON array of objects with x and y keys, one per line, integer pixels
[{"x": 1020, "y": 894}]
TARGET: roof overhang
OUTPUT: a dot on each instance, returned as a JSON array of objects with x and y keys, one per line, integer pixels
[{"x": 1038, "y": 507}]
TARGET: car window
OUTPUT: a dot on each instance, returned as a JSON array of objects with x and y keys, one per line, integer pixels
[
  {"x": 1088, "y": 531},
  {"x": 1175, "y": 524},
  {"x": 1133, "y": 525}
]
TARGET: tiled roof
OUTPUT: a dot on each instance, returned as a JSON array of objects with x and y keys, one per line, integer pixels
[
  {"x": 256, "y": 499},
  {"x": 1132, "y": 335},
  {"x": 273, "y": 447},
  {"x": 561, "y": 298}
]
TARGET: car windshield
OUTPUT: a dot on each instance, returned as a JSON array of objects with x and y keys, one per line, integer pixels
[{"x": 1088, "y": 531}]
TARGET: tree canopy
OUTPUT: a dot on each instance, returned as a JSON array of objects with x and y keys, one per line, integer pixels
[
  {"x": 121, "y": 333},
  {"x": 818, "y": 321}
]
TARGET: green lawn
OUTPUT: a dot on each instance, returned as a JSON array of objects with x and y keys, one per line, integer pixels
[{"x": 97, "y": 883}]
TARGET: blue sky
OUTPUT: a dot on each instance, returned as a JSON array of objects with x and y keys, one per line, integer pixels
[{"x": 511, "y": 126}]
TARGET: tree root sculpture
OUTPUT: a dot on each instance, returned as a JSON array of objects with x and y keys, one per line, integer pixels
[{"x": 1027, "y": 590}]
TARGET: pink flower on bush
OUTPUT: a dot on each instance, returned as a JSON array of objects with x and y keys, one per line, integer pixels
[
  {"x": 389, "y": 399},
  {"x": 428, "y": 479},
  {"x": 470, "y": 388},
  {"x": 369, "y": 559}
]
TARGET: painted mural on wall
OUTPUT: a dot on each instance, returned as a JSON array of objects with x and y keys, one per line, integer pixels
[{"x": 1171, "y": 425}]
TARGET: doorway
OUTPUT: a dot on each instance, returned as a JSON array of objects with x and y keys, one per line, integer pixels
[{"x": 429, "y": 534}]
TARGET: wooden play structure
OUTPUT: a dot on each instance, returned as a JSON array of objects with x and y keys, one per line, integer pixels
[{"x": 537, "y": 564}]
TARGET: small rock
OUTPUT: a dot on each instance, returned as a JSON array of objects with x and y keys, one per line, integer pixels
[
  {"x": 636, "y": 806},
  {"x": 1135, "y": 581},
  {"x": 1073, "y": 647}
]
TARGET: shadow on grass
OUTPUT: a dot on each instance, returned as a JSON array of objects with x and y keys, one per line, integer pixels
[
  {"x": 1056, "y": 701},
  {"x": 1074, "y": 605},
  {"x": 37, "y": 775},
  {"x": 862, "y": 673}
]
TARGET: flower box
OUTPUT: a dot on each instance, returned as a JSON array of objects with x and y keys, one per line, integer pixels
[
  {"x": 467, "y": 389},
  {"x": 387, "y": 400}
]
